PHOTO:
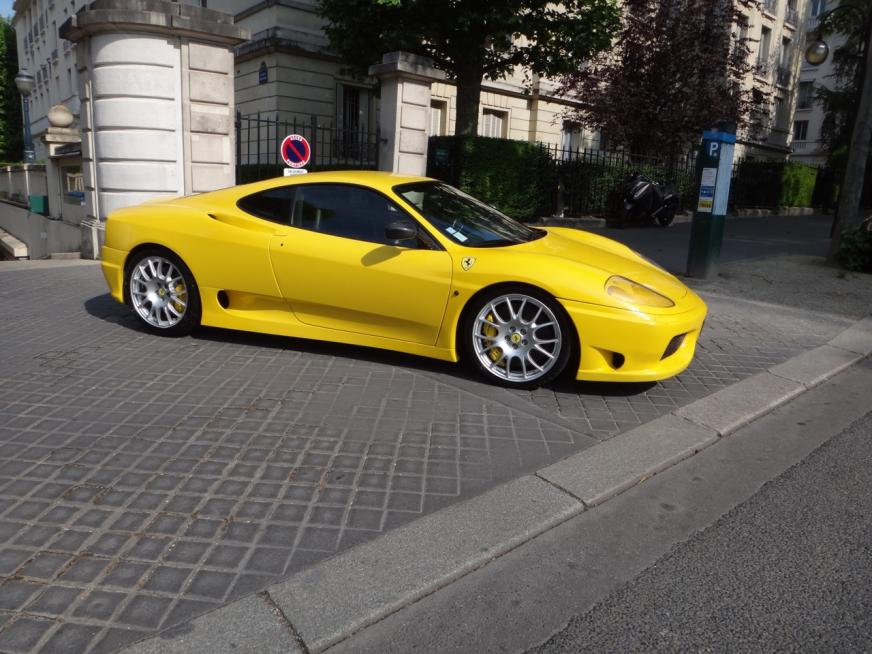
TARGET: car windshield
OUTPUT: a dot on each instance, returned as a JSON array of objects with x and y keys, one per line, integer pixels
[{"x": 464, "y": 219}]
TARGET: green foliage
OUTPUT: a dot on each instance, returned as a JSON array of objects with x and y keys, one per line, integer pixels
[
  {"x": 472, "y": 39},
  {"x": 839, "y": 96},
  {"x": 11, "y": 139},
  {"x": 855, "y": 252},
  {"x": 773, "y": 184},
  {"x": 514, "y": 176},
  {"x": 797, "y": 185}
]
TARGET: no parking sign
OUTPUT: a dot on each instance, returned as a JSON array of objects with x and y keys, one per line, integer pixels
[{"x": 295, "y": 151}]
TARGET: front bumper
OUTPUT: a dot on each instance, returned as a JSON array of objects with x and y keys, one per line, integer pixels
[
  {"x": 622, "y": 345},
  {"x": 112, "y": 263}
]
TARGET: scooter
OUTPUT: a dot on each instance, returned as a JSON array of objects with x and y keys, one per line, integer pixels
[{"x": 647, "y": 201}]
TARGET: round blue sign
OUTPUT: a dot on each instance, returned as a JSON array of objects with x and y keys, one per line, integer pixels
[{"x": 295, "y": 151}]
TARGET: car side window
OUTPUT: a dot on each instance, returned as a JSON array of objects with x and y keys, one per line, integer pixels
[
  {"x": 273, "y": 204},
  {"x": 344, "y": 210}
]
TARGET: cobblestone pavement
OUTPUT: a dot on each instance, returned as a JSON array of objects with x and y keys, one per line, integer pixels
[{"x": 144, "y": 480}]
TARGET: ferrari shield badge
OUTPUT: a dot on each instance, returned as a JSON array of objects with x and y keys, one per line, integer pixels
[{"x": 467, "y": 262}]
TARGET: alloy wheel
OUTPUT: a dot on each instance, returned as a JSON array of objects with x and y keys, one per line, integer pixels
[
  {"x": 517, "y": 337},
  {"x": 158, "y": 292}
]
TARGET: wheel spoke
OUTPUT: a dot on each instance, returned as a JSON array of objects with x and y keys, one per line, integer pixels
[
  {"x": 534, "y": 364},
  {"x": 526, "y": 353},
  {"x": 158, "y": 292},
  {"x": 493, "y": 310}
]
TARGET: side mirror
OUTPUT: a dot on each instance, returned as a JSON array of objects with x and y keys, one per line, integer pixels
[{"x": 401, "y": 230}]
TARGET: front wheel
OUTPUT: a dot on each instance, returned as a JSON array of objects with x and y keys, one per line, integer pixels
[
  {"x": 163, "y": 293},
  {"x": 518, "y": 338}
]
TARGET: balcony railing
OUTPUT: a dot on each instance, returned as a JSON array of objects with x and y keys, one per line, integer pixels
[
  {"x": 791, "y": 16},
  {"x": 803, "y": 146},
  {"x": 812, "y": 23},
  {"x": 783, "y": 76},
  {"x": 769, "y": 6}
]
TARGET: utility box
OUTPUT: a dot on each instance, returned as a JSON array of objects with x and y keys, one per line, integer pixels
[{"x": 38, "y": 204}]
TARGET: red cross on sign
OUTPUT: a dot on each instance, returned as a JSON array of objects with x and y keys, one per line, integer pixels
[{"x": 295, "y": 150}]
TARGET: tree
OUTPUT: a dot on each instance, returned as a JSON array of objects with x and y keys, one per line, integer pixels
[
  {"x": 676, "y": 69},
  {"x": 847, "y": 126},
  {"x": 11, "y": 140},
  {"x": 472, "y": 40}
]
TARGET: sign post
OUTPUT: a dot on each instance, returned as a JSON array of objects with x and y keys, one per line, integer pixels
[
  {"x": 714, "y": 169},
  {"x": 296, "y": 152}
]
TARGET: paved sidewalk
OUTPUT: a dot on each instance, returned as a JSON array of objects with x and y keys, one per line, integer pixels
[{"x": 146, "y": 481}]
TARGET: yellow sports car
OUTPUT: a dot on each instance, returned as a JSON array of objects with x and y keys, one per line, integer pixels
[{"x": 402, "y": 263}]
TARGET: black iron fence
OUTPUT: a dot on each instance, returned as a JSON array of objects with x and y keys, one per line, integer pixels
[
  {"x": 259, "y": 136},
  {"x": 590, "y": 182}
]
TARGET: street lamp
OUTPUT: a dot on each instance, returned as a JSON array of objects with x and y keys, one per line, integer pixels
[
  {"x": 25, "y": 83},
  {"x": 847, "y": 213}
]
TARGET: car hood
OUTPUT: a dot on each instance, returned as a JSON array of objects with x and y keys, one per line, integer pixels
[{"x": 609, "y": 256}]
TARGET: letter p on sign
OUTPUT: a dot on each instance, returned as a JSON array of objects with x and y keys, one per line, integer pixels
[{"x": 713, "y": 148}]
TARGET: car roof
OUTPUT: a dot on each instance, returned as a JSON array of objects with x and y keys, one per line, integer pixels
[
  {"x": 379, "y": 180},
  {"x": 373, "y": 178}
]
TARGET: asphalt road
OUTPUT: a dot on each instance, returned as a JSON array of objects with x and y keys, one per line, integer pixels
[
  {"x": 788, "y": 570},
  {"x": 744, "y": 239}
]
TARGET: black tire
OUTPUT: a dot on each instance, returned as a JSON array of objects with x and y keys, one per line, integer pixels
[
  {"x": 524, "y": 356},
  {"x": 665, "y": 217},
  {"x": 153, "y": 290}
]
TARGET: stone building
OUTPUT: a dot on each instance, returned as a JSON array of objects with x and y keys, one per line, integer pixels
[
  {"x": 807, "y": 146},
  {"x": 776, "y": 31}
]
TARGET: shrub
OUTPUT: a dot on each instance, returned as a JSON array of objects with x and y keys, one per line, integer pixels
[
  {"x": 797, "y": 185},
  {"x": 855, "y": 251},
  {"x": 773, "y": 184},
  {"x": 514, "y": 176}
]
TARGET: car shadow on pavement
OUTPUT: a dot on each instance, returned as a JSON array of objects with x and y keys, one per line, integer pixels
[{"x": 106, "y": 308}]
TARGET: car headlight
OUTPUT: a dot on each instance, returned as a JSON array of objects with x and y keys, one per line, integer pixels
[{"x": 630, "y": 292}]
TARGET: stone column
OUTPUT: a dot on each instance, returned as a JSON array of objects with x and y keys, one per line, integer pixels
[
  {"x": 157, "y": 107},
  {"x": 404, "y": 111}
]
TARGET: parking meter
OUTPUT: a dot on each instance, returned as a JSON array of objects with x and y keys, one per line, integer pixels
[{"x": 714, "y": 169}]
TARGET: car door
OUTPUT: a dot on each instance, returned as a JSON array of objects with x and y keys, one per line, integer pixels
[{"x": 337, "y": 269}]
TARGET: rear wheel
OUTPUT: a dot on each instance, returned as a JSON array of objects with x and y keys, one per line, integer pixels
[
  {"x": 665, "y": 217},
  {"x": 163, "y": 293},
  {"x": 517, "y": 337}
]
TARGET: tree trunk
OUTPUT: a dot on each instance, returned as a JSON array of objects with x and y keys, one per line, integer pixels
[
  {"x": 848, "y": 211},
  {"x": 468, "y": 91}
]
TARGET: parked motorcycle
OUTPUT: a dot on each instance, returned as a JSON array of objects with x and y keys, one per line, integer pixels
[{"x": 646, "y": 201}]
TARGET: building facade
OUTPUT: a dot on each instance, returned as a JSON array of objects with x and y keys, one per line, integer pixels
[
  {"x": 287, "y": 70},
  {"x": 776, "y": 34},
  {"x": 807, "y": 146}
]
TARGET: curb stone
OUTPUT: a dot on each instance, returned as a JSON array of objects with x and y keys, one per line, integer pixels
[{"x": 332, "y": 600}]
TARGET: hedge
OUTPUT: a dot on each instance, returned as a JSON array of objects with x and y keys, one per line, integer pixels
[
  {"x": 773, "y": 184},
  {"x": 515, "y": 176}
]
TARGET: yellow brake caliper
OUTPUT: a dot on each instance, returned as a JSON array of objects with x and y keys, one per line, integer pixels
[
  {"x": 176, "y": 305},
  {"x": 491, "y": 332}
]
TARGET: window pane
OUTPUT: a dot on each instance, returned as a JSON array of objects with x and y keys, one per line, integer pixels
[
  {"x": 464, "y": 219},
  {"x": 346, "y": 211},
  {"x": 274, "y": 204}
]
